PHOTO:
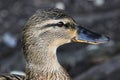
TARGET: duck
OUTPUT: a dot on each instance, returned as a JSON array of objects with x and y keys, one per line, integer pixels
[{"x": 44, "y": 32}]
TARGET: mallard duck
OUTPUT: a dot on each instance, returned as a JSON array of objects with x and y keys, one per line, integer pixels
[{"x": 44, "y": 32}]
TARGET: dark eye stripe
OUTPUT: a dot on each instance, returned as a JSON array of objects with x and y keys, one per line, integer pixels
[
  {"x": 67, "y": 25},
  {"x": 48, "y": 25}
]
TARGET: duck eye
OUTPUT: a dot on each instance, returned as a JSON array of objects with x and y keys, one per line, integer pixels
[{"x": 60, "y": 24}]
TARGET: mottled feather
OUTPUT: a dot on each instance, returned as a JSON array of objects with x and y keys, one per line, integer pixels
[{"x": 12, "y": 77}]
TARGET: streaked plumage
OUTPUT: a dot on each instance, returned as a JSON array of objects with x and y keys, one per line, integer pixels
[{"x": 12, "y": 77}]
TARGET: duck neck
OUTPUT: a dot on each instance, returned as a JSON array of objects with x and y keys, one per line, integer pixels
[
  {"x": 41, "y": 56},
  {"x": 44, "y": 61}
]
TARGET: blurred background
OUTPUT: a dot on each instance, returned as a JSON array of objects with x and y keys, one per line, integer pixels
[{"x": 82, "y": 61}]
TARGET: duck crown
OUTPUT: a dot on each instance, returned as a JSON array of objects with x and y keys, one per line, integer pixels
[{"x": 47, "y": 14}]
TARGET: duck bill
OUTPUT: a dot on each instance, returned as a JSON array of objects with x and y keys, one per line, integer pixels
[{"x": 87, "y": 36}]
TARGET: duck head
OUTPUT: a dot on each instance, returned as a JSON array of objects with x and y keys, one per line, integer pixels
[{"x": 47, "y": 29}]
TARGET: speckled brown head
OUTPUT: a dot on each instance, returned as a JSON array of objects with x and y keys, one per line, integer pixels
[{"x": 46, "y": 30}]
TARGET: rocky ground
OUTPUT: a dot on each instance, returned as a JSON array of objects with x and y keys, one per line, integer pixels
[{"x": 83, "y": 62}]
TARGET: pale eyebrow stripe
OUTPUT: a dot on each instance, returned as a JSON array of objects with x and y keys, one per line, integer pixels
[
  {"x": 48, "y": 25},
  {"x": 55, "y": 21}
]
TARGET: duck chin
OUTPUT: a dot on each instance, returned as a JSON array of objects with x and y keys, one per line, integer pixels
[
  {"x": 54, "y": 50},
  {"x": 69, "y": 41}
]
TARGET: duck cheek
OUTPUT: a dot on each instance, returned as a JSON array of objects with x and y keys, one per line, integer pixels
[{"x": 72, "y": 33}]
